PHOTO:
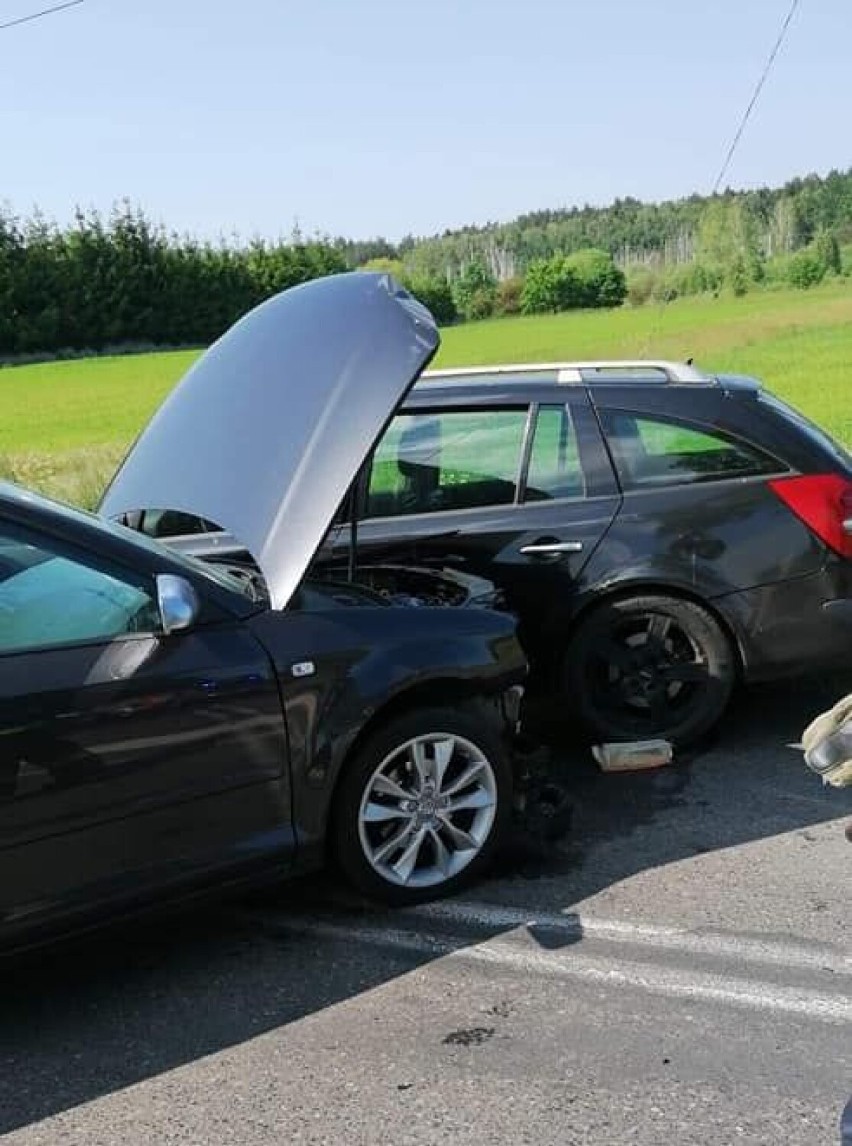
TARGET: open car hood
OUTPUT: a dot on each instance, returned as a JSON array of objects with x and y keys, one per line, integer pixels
[{"x": 267, "y": 430}]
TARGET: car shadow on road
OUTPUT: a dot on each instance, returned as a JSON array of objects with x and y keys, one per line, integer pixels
[{"x": 88, "y": 1020}]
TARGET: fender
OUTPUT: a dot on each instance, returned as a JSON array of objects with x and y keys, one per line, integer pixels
[
  {"x": 633, "y": 582},
  {"x": 548, "y": 646},
  {"x": 381, "y": 659}
]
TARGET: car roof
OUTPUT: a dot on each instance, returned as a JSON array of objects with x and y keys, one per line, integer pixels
[
  {"x": 659, "y": 370},
  {"x": 611, "y": 372}
]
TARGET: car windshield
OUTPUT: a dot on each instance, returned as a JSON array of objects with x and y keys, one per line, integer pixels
[{"x": 193, "y": 565}]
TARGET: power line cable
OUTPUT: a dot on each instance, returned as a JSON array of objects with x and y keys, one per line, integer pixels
[
  {"x": 38, "y": 15},
  {"x": 766, "y": 70},
  {"x": 740, "y": 129}
]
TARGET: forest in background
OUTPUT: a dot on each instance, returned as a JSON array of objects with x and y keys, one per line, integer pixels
[{"x": 125, "y": 281}]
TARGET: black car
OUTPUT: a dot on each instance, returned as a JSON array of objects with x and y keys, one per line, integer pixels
[
  {"x": 169, "y": 725},
  {"x": 661, "y": 533}
]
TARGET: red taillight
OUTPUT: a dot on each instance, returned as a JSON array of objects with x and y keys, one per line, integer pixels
[{"x": 824, "y": 504}]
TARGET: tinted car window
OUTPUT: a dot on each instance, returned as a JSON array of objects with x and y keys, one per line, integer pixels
[
  {"x": 554, "y": 467},
  {"x": 48, "y": 599},
  {"x": 454, "y": 459},
  {"x": 655, "y": 451}
]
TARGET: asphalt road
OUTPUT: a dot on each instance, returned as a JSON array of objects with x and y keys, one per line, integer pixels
[{"x": 676, "y": 969}]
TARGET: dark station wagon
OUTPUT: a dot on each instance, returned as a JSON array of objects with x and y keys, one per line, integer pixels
[{"x": 661, "y": 533}]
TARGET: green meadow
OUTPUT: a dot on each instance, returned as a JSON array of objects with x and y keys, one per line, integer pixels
[{"x": 63, "y": 425}]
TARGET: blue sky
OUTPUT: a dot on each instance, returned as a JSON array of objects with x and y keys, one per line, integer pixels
[{"x": 391, "y": 117}]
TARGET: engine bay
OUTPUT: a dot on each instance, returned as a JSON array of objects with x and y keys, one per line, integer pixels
[
  {"x": 327, "y": 582},
  {"x": 374, "y": 585}
]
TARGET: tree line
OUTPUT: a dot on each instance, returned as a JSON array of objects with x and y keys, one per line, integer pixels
[
  {"x": 125, "y": 281},
  {"x": 771, "y": 221},
  {"x": 122, "y": 281},
  {"x": 734, "y": 240}
]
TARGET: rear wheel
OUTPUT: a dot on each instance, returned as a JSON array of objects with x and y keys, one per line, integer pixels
[
  {"x": 422, "y": 806},
  {"x": 649, "y": 667}
]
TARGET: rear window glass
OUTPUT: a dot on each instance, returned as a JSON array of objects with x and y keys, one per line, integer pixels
[{"x": 650, "y": 451}]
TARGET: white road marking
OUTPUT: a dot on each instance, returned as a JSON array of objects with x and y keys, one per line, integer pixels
[
  {"x": 516, "y": 951},
  {"x": 736, "y": 970},
  {"x": 753, "y": 950}
]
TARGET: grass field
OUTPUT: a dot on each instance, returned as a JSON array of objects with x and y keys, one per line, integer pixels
[{"x": 63, "y": 425}]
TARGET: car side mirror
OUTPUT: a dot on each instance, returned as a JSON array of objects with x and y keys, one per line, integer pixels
[{"x": 177, "y": 601}]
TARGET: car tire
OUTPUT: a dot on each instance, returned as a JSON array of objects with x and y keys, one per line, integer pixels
[
  {"x": 406, "y": 783},
  {"x": 649, "y": 667}
]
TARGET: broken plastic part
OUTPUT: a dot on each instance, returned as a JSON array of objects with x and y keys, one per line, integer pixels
[{"x": 633, "y": 756}]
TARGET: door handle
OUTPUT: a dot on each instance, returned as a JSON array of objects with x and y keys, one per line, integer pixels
[{"x": 551, "y": 548}]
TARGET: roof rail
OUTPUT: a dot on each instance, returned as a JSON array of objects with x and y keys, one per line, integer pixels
[{"x": 605, "y": 370}]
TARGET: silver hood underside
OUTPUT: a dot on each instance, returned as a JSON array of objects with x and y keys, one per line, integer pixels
[{"x": 267, "y": 430}]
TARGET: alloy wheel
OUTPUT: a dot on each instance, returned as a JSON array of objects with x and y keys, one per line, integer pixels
[{"x": 427, "y": 810}]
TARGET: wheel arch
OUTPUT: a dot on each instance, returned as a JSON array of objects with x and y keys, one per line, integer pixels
[
  {"x": 421, "y": 712},
  {"x": 440, "y": 692},
  {"x": 654, "y": 587}
]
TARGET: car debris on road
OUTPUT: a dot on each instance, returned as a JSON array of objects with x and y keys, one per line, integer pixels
[{"x": 633, "y": 756}]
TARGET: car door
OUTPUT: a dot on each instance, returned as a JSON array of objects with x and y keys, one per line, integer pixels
[
  {"x": 130, "y": 760},
  {"x": 518, "y": 493},
  {"x": 699, "y": 511}
]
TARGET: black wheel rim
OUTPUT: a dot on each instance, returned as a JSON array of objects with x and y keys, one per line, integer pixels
[{"x": 646, "y": 676}]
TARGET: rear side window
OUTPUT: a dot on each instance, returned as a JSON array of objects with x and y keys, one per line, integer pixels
[
  {"x": 651, "y": 451},
  {"x": 437, "y": 461}
]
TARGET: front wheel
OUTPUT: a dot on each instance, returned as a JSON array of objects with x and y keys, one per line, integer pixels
[
  {"x": 641, "y": 668},
  {"x": 422, "y": 806}
]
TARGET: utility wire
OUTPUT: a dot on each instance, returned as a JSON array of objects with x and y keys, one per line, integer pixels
[
  {"x": 38, "y": 15},
  {"x": 654, "y": 331},
  {"x": 766, "y": 70}
]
